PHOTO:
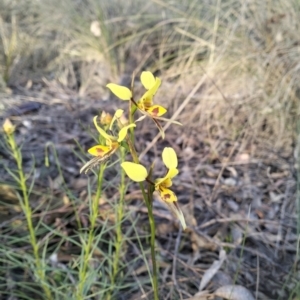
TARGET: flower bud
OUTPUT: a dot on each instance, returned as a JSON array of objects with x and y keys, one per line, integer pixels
[
  {"x": 105, "y": 118},
  {"x": 8, "y": 127}
]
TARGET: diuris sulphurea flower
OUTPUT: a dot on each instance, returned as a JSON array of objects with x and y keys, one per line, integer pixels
[
  {"x": 145, "y": 104},
  {"x": 138, "y": 173},
  {"x": 112, "y": 143},
  {"x": 117, "y": 133}
]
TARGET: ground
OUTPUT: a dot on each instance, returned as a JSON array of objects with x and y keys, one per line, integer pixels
[{"x": 238, "y": 199}]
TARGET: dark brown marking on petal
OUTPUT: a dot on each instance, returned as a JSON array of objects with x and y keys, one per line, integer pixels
[
  {"x": 99, "y": 151},
  {"x": 155, "y": 111},
  {"x": 167, "y": 196}
]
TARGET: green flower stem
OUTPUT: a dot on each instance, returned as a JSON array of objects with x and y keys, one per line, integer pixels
[
  {"x": 87, "y": 247},
  {"x": 119, "y": 236},
  {"x": 148, "y": 200},
  {"x": 131, "y": 113},
  {"x": 40, "y": 272}
]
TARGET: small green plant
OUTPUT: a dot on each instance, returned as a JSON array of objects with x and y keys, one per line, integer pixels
[
  {"x": 21, "y": 179},
  {"x": 117, "y": 133}
]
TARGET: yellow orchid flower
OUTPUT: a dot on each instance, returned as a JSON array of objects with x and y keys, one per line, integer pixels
[
  {"x": 138, "y": 173},
  {"x": 103, "y": 152},
  {"x": 162, "y": 184},
  {"x": 145, "y": 104},
  {"x": 151, "y": 84}
]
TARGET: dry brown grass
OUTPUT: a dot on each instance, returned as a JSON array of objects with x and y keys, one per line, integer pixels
[{"x": 245, "y": 55}]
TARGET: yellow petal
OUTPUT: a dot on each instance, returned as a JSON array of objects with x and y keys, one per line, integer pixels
[
  {"x": 163, "y": 183},
  {"x": 159, "y": 182},
  {"x": 172, "y": 173},
  {"x": 99, "y": 150},
  {"x": 170, "y": 158},
  {"x": 156, "y": 111},
  {"x": 99, "y": 159},
  {"x": 123, "y": 132},
  {"x": 135, "y": 172},
  {"x": 161, "y": 130},
  {"x": 101, "y": 131},
  {"x": 167, "y": 195},
  {"x": 117, "y": 115},
  {"x": 148, "y": 96},
  {"x": 145, "y": 101},
  {"x": 121, "y": 92},
  {"x": 155, "y": 87},
  {"x": 147, "y": 80},
  {"x": 166, "y": 181}
]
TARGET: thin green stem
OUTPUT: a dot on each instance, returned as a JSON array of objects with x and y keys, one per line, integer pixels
[
  {"x": 87, "y": 247},
  {"x": 40, "y": 272},
  {"x": 119, "y": 235},
  {"x": 148, "y": 200}
]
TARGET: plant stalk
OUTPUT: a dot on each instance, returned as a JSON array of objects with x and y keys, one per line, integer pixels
[
  {"x": 148, "y": 200},
  {"x": 28, "y": 213},
  {"x": 83, "y": 273},
  {"x": 119, "y": 236}
]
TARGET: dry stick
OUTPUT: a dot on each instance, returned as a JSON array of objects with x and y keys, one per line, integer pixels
[
  {"x": 176, "y": 114},
  {"x": 234, "y": 246},
  {"x": 221, "y": 173},
  {"x": 231, "y": 220}
]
